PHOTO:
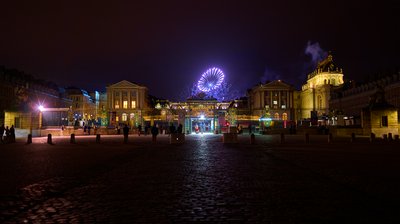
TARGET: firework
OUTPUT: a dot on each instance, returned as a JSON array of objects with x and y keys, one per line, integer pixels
[{"x": 210, "y": 80}]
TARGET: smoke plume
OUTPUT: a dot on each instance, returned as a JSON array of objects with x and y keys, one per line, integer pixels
[
  {"x": 316, "y": 53},
  {"x": 269, "y": 75}
]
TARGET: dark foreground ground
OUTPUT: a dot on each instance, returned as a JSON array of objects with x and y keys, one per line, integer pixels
[{"x": 200, "y": 180}]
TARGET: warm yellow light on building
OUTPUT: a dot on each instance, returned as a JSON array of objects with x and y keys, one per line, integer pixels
[
  {"x": 133, "y": 104},
  {"x": 117, "y": 104},
  {"x": 125, "y": 104}
]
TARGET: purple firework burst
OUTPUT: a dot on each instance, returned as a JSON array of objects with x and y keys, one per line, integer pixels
[{"x": 210, "y": 80}]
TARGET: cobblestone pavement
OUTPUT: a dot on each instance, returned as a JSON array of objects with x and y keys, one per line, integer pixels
[{"x": 200, "y": 180}]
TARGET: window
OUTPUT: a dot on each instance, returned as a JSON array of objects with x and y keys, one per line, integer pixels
[
  {"x": 284, "y": 116},
  {"x": 384, "y": 121},
  {"x": 116, "y": 118},
  {"x": 275, "y": 102},
  {"x": 125, "y": 104},
  {"x": 124, "y": 117},
  {"x": 276, "y": 116},
  {"x": 283, "y": 106},
  {"x": 319, "y": 102},
  {"x": 133, "y": 104},
  {"x": 131, "y": 116},
  {"x": 117, "y": 104}
]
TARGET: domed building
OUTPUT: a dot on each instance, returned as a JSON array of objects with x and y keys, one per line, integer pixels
[{"x": 316, "y": 93}]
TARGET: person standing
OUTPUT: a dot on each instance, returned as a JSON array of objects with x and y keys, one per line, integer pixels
[
  {"x": 179, "y": 130},
  {"x": 7, "y": 138},
  {"x": 139, "y": 129},
  {"x": 126, "y": 133},
  {"x": 12, "y": 134},
  {"x": 88, "y": 129},
  {"x": 154, "y": 133},
  {"x": 2, "y": 128}
]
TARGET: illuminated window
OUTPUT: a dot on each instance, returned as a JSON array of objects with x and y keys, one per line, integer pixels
[
  {"x": 133, "y": 104},
  {"x": 275, "y": 102},
  {"x": 283, "y": 106},
  {"x": 125, "y": 104},
  {"x": 124, "y": 117},
  {"x": 276, "y": 116},
  {"x": 117, "y": 104},
  {"x": 284, "y": 116},
  {"x": 131, "y": 116},
  {"x": 117, "y": 118}
]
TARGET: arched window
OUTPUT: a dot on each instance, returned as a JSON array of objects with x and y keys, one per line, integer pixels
[
  {"x": 131, "y": 116},
  {"x": 319, "y": 102},
  {"x": 284, "y": 116},
  {"x": 276, "y": 116},
  {"x": 124, "y": 117}
]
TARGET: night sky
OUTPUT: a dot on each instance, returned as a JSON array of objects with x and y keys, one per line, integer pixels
[{"x": 166, "y": 46}]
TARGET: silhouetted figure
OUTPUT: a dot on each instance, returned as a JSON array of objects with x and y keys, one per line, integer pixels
[
  {"x": 2, "y": 128},
  {"x": 126, "y": 133},
  {"x": 172, "y": 129},
  {"x": 118, "y": 130},
  {"x": 12, "y": 134},
  {"x": 146, "y": 130},
  {"x": 139, "y": 127},
  {"x": 179, "y": 130},
  {"x": 84, "y": 129},
  {"x": 7, "y": 138},
  {"x": 154, "y": 133},
  {"x": 88, "y": 129}
]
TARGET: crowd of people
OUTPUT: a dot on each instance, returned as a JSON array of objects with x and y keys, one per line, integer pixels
[{"x": 7, "y": 135}]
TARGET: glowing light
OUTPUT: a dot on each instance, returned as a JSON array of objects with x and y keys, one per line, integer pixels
[
  {"x": 202, "y": 117},
  {"x": 211, "y": 79},
  {"x": 41, "y": 108}
]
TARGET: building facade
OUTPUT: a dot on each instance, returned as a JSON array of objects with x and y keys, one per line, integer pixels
[
  {"x": 276, "y": 98},
  {"x": 347, "y": 103},
  {"x": 127, "y": 103},
  {"x": 21, "y": 96},
  {"x": 83, "y": 107},
  {"x": 316, "y": 93}
]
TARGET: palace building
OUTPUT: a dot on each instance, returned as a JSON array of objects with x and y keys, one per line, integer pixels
[
  {"x": 127, "y": 103},
  {"x": 276, "y": 97},
  {"x": 316, "y": 93}
]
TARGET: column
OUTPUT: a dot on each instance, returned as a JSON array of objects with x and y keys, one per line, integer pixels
[
  {"x": 271, "y": 103},
  {"x": 138, "y": 101},
  {"x": 129, "y": 100},
  {"x": 279, "y": 100},
  {"x": 112, "y": 99},
  {"x": 287, "y": 99},
  {"x": 262, "y": 99}
]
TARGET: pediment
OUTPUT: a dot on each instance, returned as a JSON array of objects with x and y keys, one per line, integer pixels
[
  {"x": 277, "y": 84},
  {"x": 125, "y": 84}
]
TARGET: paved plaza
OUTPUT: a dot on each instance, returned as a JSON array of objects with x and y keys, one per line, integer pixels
[{"x": 202, "y": 179}]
